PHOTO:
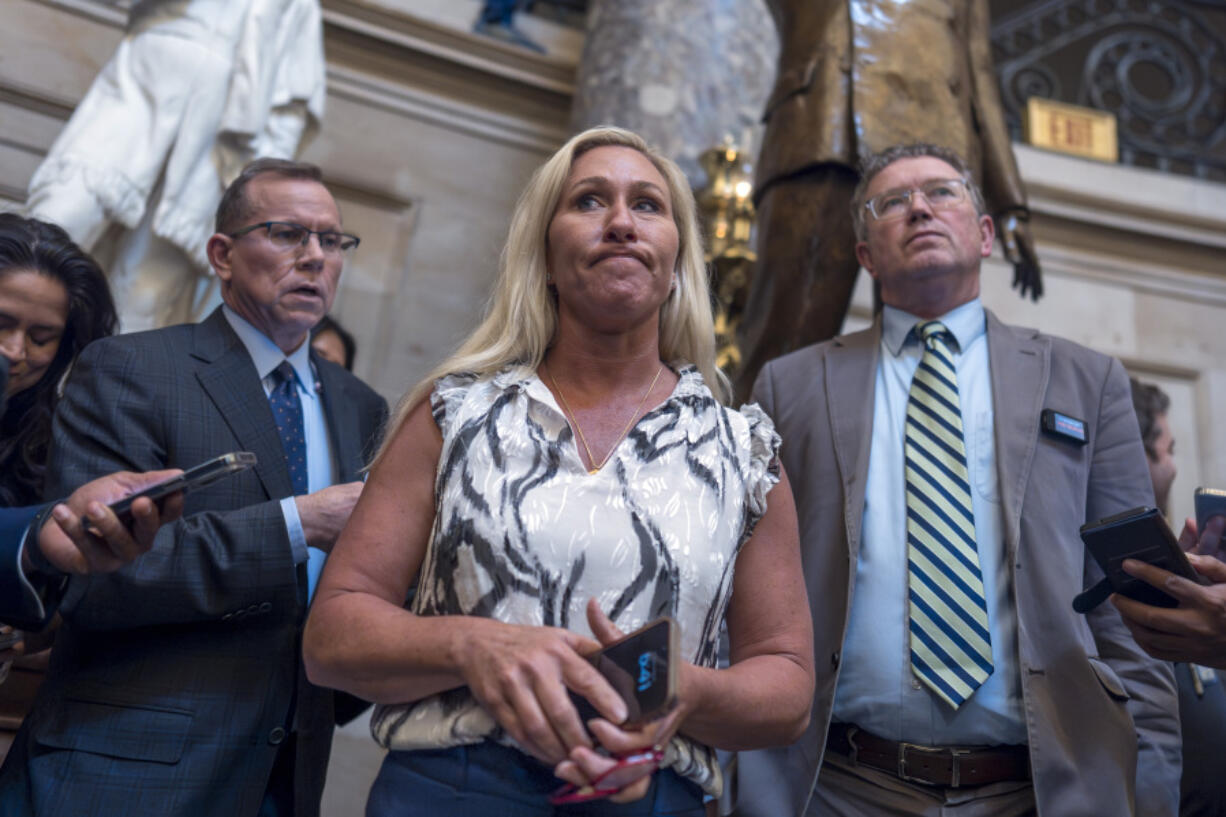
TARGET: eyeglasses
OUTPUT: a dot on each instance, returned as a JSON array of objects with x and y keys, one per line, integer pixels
[
  {"x": 628, "y": 770},
  {"x": 941, "y": 194},
  {"x": 287, "y": 236}
]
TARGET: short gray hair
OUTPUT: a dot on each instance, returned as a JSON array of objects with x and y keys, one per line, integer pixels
[{"x": 878, "y": 162}]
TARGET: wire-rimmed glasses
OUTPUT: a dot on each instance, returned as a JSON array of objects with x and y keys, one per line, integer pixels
[
  {"x": 290, "y": 237},
  {"x": 941, "y": 194}
]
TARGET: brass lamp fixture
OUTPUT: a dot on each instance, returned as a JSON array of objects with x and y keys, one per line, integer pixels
[{"x": 727, "y": 212}]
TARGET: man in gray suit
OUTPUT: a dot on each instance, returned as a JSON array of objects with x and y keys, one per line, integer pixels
[
  {"x": 942, "y": 463},
  {"x": 176, "y": 684}
]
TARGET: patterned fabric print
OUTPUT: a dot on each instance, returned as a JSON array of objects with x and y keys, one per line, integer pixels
[
  {"x": 524, "y": 534},
  {"x": 287, "y": 411}
]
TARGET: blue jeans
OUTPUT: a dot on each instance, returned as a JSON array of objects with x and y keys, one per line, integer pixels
[{"x": 488, "y": 779}]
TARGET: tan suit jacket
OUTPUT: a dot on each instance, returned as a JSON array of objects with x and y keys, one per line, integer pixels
[
  {"x": 1101, "y": 716},
  {"x": 857, "y": 76}
]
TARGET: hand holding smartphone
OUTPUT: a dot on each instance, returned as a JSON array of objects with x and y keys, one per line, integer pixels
[
  {"x": 1210, "y": 503},
  {"x": 203, "y": 474},
  {"x": 1141, "y": 534},
  {"x": 643, "y": 668}
]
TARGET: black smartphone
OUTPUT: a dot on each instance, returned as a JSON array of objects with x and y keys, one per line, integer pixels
[
  {"x": 1141, "y": 534},
  {"x": 643, "y": 668},
  {"x": 1209, "y": 503},
  {"x": 201, "y": 475}
]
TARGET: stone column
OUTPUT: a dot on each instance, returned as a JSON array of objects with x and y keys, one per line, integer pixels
[{"x": 683, "y": 73}]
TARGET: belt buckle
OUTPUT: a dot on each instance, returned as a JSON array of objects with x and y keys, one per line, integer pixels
[{"x": 954, "y": 754}]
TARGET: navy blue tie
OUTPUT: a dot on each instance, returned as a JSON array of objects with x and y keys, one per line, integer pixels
[{"x": 287, "y": 412}]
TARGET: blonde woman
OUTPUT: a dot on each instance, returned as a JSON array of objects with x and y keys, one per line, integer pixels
[{"x": 568, "y": 475}]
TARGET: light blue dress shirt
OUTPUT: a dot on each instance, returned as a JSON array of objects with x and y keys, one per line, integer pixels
[
  {"x": 877, "y": 690},
  {"x": 321, "y": 470}
]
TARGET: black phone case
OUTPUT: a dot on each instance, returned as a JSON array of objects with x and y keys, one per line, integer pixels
[
  {"x": 625, "y": 664},
  {"x": 1141, "y": 534}
]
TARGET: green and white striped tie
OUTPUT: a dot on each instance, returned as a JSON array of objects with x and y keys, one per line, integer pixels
[{"x": 951, "y": 648}]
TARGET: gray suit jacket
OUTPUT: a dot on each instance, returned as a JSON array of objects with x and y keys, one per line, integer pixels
[
  {"x": 174, "y": 680},
  {"x": 1101, "y": 715}
]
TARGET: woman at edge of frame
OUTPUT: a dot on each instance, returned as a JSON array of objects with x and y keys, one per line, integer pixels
[
  {"x": 54, "y": 301},
  {"x": 571, "y": 462}
]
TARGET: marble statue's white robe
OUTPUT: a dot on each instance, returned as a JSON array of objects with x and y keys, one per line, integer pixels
[{"x": 196, "y": 89}]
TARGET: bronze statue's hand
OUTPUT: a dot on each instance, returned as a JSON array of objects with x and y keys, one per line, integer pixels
[{"x": 1014, "y": 229}]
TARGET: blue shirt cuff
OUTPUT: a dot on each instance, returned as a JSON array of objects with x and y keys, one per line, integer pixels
[
  {"x": 314, "y": 557},
  {"x": 293, "y": 526}
]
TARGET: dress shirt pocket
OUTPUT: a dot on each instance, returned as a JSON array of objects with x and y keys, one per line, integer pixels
[
  {"x": 1110, "y": 681},
  {"x": 148, "y": 733},
  {"x": 981, "y": 457}
]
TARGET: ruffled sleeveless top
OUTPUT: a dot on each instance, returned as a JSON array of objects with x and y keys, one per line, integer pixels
[{"x": 523, "y": 534}]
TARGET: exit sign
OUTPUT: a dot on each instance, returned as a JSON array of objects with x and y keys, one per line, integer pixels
[{"x": 1071, "y": 129}]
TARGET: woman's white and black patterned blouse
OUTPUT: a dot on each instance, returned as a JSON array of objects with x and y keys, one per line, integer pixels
[{"x": 523, "y": 534}]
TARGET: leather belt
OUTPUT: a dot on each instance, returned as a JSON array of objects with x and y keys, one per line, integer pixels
[{"x": 945, "y": 766}]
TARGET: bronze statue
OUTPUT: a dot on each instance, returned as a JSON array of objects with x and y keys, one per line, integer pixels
[{"x": 856, "y": 76}]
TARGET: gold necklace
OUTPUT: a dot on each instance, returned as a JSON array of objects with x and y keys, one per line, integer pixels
[{"x": 570, "y": 415}]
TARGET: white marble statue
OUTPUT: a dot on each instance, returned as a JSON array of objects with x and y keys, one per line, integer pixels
[{"x": 196, "y": 89}]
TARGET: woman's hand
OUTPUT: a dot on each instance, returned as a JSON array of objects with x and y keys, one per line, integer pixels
[
  {"x": 585, "y": 764},
  {"x": 521, "y": 676}
]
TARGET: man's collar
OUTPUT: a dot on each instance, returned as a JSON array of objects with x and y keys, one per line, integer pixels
[
  {"x": 267, "y": 356},
  {"x": 966, "y": 322}
]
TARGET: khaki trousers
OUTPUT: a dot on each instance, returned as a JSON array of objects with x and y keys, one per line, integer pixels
[{"x": 847, "y": 790}]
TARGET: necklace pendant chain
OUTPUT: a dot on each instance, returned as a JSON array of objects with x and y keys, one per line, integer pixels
[{"x": 593, "y": 466}]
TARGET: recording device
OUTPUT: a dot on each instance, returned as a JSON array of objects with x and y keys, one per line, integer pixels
[
  {"x": 643, "y": 668},
  {"x": 206, "y": 473},
  {"x": 1209, "y": 503},
  {"x": 1141, "y": 534},
  {"x": 4, "y": 382}
]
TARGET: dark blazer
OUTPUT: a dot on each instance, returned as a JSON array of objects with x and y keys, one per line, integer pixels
[
  {"x": 18, "y": 605},
  {"x": 174, "y": 680},
  {"x": 1101, "y": 716}
]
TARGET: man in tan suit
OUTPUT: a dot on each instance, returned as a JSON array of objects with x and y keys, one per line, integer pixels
[
  {"x": 1063, "y": 715},
  {"x": 856, "y": 76}
]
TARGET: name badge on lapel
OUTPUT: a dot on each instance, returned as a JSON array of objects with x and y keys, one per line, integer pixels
[{"x": 1067, "y": 428}]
